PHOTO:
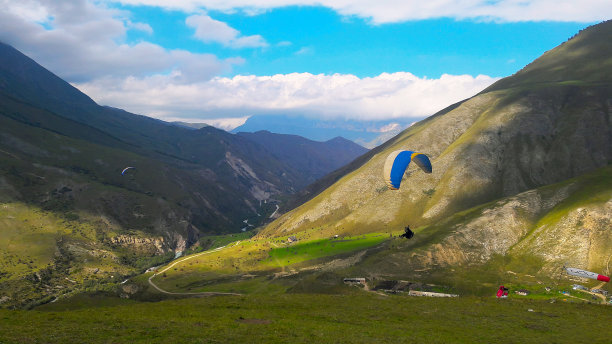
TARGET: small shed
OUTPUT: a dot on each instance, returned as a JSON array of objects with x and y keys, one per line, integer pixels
[
  {"x": 523, "y": 292},
  {"x": 292, "y": 239},
  {"x": 579, "y": 287},
  {"x": 355, "y": 280},
  {"x": 600, "y": 291}
]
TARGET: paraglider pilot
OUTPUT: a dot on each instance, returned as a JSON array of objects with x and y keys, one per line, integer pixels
[{"x": 407, "y": 233}]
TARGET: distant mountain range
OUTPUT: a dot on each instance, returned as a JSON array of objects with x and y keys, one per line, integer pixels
[
  {"x": 368, "y": 134},
  {"x": 231, "y": 165},
  {"x": 315, "y": 158}
]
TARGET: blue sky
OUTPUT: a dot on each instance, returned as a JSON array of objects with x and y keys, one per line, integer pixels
[
  {"x": 220, "y": 62},
  {"x": 319, "y": 40}
]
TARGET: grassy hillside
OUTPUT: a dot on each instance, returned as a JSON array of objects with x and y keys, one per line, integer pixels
[
  {"x": 470, "y": 253},
  {"x": 521, "y": 185},
  {"x": 586, "y": 57},
  {"x": 491, "y": 146},
  {"x": 45, "y": 256},
  {"x": 70, "y": 220}
]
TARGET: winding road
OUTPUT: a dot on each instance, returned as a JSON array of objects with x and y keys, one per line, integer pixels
[
  {"x": 206, "y": 293},
  {"x": 274, "y": 213}
]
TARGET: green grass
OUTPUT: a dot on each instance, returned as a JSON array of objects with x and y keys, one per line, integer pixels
[
  {"x": 44, "y": 255},
  {"x": 215, "y": 241},
  {"x": 314, "y": 249},
  {"x": 247, "y": 266},
  {"x": 310, "y": 318},
  {"x": 224, "y": 270},
  {"x": 595, "y": 187}
]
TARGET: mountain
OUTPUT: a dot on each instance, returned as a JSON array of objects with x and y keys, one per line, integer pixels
[
  {"x": 229, "y": 174},
  {"x": 314, "y": 158},
  {"x": 521, "y": 178},
  {"x": 67, "y": 212},
  {"x": 368, "y": 134}
]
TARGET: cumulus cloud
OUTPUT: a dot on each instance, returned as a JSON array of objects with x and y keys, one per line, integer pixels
[
  {"x": 386, "y": 96},
  {"x": 211, "y": 30},
  {"x": 144, "y": 27},
  {"x": 80, "y": 41},
  {"x": 389, "y": 11},
  {"x": 84, "y": 43}
]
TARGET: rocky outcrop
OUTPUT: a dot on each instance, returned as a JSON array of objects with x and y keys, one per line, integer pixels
[
  {"x": 569, "y": 223},
  {"x": 581, "y": 238},
  {"x": 140, "y": 244}
]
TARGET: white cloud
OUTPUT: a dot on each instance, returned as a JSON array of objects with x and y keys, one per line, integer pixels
[
  {"x": 84, "y": 43},
  {"x": 389, "y": 11},
  {"x": 386, "y": 96},
  {"x": 305, "y": 51},
  {"x": 144, "y": 27},
  {"x": 227, "y": 123},
  {"x": 80, "y": 41},
  {"x": 211, "y": 30},
  {"x": 391, "y": 127}
]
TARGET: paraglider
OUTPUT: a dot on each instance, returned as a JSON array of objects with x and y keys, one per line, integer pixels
[
  {"x": 586, "y": 274},
  {"x": 397, "y": 162},
  {"x": 125, "y": 169}
]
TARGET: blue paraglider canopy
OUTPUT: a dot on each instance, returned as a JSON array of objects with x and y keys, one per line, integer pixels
[{"x": 397, "y": 162}]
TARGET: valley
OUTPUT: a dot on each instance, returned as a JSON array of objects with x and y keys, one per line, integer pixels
[{"x": 118, "y": 227}]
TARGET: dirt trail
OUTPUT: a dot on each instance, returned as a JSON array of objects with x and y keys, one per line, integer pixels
[
  {"x": 206, "y": 293},
  {"x": 600, "y": 285},
  {"x": 274, "y": 213},
  {"x": 602, "y": 297}
]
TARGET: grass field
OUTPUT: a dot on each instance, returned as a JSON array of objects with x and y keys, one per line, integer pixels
[
  {"x": 318, "y": 248},
  {"x": 225, "y": 270},
  {"x": 309, "y": 318}
]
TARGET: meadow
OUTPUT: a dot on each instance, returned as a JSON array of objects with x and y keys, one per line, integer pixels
[
  {"x": 309, "y": 318},
  {"x": 248, "y": 266}
]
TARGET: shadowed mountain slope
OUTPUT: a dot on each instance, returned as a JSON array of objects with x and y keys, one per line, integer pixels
[
  {"x": 226, "y": 169},
  {"x": 316, "y": 159},
  {"x": 68, "y": 215}
]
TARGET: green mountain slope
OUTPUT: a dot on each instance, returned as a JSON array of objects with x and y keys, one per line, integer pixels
[
  {"x": 585, "y": 58},
  {"x": 494, "y": 156},
  {"x": 521, "y": 185},
  {"x": 496, "y": 144},
  {"x": 521, "y": 241}
]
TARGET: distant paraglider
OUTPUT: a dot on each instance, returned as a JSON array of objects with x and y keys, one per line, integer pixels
[
  {"x": 397, "y": 162},
  {"x": 125, "y": 169},
  {"x": 586, "y": 274}
]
